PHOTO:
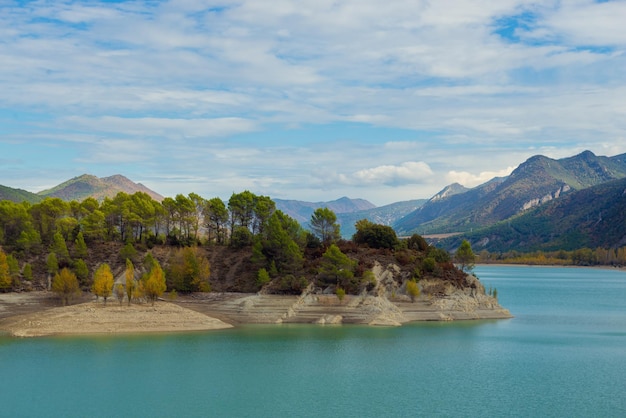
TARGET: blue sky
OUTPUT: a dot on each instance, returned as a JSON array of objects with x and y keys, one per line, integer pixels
[{"x": 310, "y": 99}]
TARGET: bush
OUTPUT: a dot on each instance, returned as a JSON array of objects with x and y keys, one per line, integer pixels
[{"x": 412, "y": 289}]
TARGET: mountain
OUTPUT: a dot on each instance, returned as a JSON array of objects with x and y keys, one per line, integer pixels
[
  {"x": 18, "y": 195},
  {"x": 302, "y": 211},
  {"x": 592, "y": 217},
  {"x": 81, "y": 187},
  {"x": 383, "y": 215},
  {"x": 536, "y": 181}
]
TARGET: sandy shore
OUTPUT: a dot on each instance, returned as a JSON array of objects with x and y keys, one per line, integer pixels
[
  {"x": 95, "y": 318},
  {"x": 32, "y": 314}
]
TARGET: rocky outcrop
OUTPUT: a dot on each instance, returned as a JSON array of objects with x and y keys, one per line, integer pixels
[{"x": 386, "y": 305}]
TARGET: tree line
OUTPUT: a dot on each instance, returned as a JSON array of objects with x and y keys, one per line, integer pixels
[{"x": 285, "y": 257}]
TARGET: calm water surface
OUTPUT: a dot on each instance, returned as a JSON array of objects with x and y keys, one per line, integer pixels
[{"x": 563, "y": 355}]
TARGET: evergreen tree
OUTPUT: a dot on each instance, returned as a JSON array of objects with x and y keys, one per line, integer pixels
[
  {"x": 465, "y": 256},
  {"x": 80, "y": 247},
  {"x": 324, "y": 225}
]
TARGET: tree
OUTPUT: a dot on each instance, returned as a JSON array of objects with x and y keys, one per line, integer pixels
[
  {"x": 324, "y": 225},
  {"x": 52, "y": 263},
  {"x": 27, "y": 272},
  {"x": 262, "y": 277},
  {"x": 465, "y": 256},
  {"x": 5, "y": 276},
  {"x": 59, "y": 247},
  {"x": 119, "y": 293},
  {"x": 215, "y": 219},
  {"x": 14, "y": 268},
  {"x": 337, "y": 267},
  {"x": 154, "y": 285},
  {"x": 80, "y": 247},
  {"x": 82, "y": 271},
  {"x": 103, "y": 282},
  {"x": 280, "y": 243},
  {"x": 128, "y": 252},
  {"x": 375, "y": 235},
  {"x": 65, "y": 284},
  {"x": 189, "y": 271},
  {"x": 130, "y": 280}
]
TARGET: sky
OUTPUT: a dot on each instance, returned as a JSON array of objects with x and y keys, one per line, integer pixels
[{"x": 311, "y": 100}]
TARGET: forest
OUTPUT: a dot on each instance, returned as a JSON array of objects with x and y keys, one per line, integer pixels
[{"x": 191, "y": 244}]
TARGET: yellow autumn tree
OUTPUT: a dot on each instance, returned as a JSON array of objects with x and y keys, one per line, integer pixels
[
  {"x": 154, "y": 285},
  {"x": 130, "y": 280},
  {"x": 5, "y": 275},
  {"x": 66, "y": 285},
  {"x": 103, "y": 282}
]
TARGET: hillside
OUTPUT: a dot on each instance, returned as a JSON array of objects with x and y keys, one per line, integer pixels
[
  {"x": 535, "y": 182},
  {"x": 592, "y": 217},
  {"x": 81, "y": 187},
  {"x": 18, "y": 195}
]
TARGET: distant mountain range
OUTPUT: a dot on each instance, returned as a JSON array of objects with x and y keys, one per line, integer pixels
[
  {"x": 535, "y": 182},
  {"x": 349, "y": 211},
  {"x": 592, "y": 217},
  {"x": 81, "y": 187}
]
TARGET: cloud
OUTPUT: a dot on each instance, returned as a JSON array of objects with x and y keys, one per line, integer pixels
[
  {"x": 410, "y": 172},
  {"x": 262, "y": 95},
  {"x": 471, "y": 180}
]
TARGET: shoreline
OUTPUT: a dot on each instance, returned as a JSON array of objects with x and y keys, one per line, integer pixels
[{"x": 33, "y": 314}]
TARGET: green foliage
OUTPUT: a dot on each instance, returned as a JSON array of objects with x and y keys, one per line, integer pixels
[
  {"x": 82, "y": 271},
  {"x": 59, "y": 247},
  {"x": 262, "y": 277},
  {"x": 149, "y": 261},
  {"x": 14, "y": 267},
  {"x": 336, "y": 268},
  {"x": 465, "y": 257},
  {"x": 369, "y": 280},
  {"x": 188, "y": 271},
  {"x": 324, "y": 225},
  {"x": 429, "y": 264},
  {"x": 80, "y": 247},
  {"x": 215, "y": 219},
  {"x": 291, "y": 284},
  {"x": 52, "y": 263},
  {"x": 241, "y": 237},
  {"x": 65, "y": 284},
  {"x": 439, "y": 255},
  {"x": 27, "y": 272},
  {"x": 280, "y": 243},
  {"x": 375, "y": 235},
  {"x": 341, "y": 294},
  {"x": 128, "y": 252},
  {"x": 417, "y": 242}
]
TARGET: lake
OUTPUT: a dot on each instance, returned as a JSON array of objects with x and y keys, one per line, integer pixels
[{"x": 563, "y": 355}]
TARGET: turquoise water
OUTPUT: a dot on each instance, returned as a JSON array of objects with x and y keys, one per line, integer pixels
[{"x": 563, "y": 355}]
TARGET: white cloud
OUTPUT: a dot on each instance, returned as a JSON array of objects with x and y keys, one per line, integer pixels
[
  {"x": 471, "y": 180},
  {"x": 195, "y": 81},
  {"x": 410, "y": 172}
]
